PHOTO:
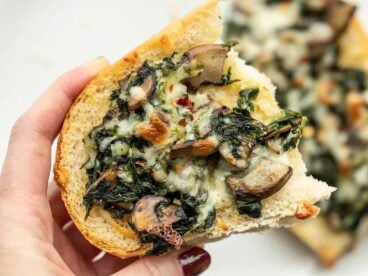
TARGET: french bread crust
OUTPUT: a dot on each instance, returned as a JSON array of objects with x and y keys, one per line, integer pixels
[
  {"x": 317, "y": 234},
  {"x": 115, "y": 236}
]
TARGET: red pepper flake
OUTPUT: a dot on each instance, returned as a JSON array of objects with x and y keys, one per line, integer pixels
[
  {"x": 171, "y": 87},
  {"x": 140, "y": 163},
  {"x": 186, "y": 102},
  {"x": 183, "y": 122}
]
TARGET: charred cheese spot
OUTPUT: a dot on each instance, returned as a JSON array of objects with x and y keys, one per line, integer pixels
[{"x": 156, "y": 131}]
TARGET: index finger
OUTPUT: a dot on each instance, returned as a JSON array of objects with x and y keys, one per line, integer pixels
[{"x": 27, "y": 164}]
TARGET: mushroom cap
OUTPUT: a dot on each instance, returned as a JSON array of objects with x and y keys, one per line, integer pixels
[
  {"x": 263, "y": 180},
  {"x": 144, "y": 218},
  {"x": 211, "y": 57},
  {"x": 144, "y": 214}
]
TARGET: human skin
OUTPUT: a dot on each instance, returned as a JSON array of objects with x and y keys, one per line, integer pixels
[{"x": 36, "y": 235}]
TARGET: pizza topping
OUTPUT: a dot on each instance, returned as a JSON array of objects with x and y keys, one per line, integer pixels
[
  {"x": 156, "y": 130},
  {"x": 299, "y": 48},
  {"x": 199, "y": 148},
  {"x": 140, "y": 94},
  {"x": 237, "y": 155},
  {"x": 160, "y": 157},
  {"x": 262, "y": 180},
  {"x": 210, "y": 59},
  {"x": 153, "y": 215}
]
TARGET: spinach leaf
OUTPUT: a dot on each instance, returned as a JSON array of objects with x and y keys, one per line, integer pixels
[
  {"x": 136, "y": 79},
  {"x": 246, "y": 97},
  {"x": 287, "y": 130},
  {"x": 248, "y": 204},
  {"x": 234, "y": 29},
  {"x": 236, "y": 124},
  {"x": 159, "y": 245},
  {"x": 117, "y": 212},
  {"x": 207, "y": 223}
]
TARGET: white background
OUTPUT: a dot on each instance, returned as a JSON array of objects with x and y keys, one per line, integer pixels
[{"x": 40, "y": 39}]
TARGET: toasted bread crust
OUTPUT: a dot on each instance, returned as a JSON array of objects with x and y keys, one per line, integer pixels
[{"x": 201, "y": 26}]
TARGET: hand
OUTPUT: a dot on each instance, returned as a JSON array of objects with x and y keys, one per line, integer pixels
[{"x": 36, "y": 235}]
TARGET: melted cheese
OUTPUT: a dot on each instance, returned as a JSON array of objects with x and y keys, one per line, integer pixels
[
  {"x": 137, "y": 93},
  {"x": 126, "y": 127}
]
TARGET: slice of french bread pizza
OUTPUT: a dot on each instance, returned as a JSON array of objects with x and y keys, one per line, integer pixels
[
  {"x": 316, "y": 52},
  {"x": 181, "y": 142}
]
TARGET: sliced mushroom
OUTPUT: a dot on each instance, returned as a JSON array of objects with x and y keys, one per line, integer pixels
[
  {"x": 139, "y": 95},
  {"x": 209, "y": 57},
  {"x": 199, "y": 148},
  {"x": 242, "y": 153},
  {"x": 339, "y": 14},
  {"x": 145, "y": 218},
  {"x": 263, "y": 180},
  {"x": 156, "y": 130}
]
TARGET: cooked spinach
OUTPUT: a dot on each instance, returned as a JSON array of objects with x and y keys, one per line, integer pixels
[
  {"x": 246, "y": 98},
  {"x": 116, "y": 211},
  {"x": 137, "y": 78},
  {"x": 352, "y": 79},
  {"x": 287, "y": 129},
  {"x": 207, "y": 223},
  {"x": 115, "y": 94},
  {"x": 235, "y": 29},
  {"x": 159, "y": 246},
  {"x": 248, "y": 204},
  {"x": 190, "y": 206},
  {"x": 349, "y": 213},
  {"x": 230, "y": 125}
]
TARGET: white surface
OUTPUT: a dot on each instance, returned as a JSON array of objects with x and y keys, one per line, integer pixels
[{"x": 40, "y": 39}]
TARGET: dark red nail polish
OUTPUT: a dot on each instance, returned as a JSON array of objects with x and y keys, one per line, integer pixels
[{"x": 194, "y": 261}]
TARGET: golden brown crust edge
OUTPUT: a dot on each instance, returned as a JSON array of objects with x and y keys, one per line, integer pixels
[{"x": 354, "y": 46}]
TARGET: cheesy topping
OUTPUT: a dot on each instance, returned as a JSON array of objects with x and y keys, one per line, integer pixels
[
  {"x": 167, "y": 146},
  {"x": 296, "y": 44}
]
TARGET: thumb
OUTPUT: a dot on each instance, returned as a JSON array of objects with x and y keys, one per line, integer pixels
[{"x": 189, "y": 262}]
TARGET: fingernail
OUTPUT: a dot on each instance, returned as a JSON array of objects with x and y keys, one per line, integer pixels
[
  {"x": 97, "y": 64},
  {"x": 194, "y": 261}
]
